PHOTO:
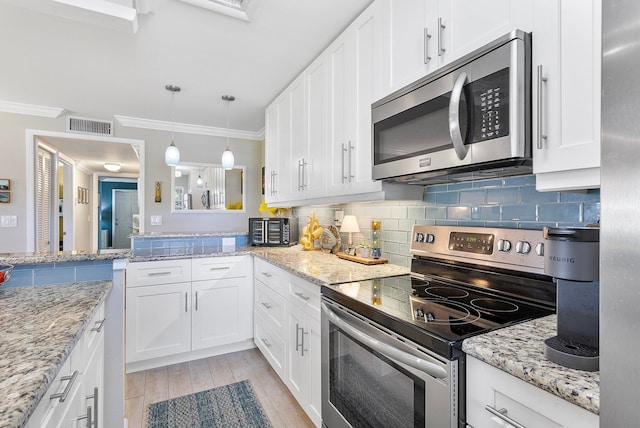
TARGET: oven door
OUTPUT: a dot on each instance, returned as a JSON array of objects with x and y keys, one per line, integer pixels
[{"x": 372, "y": 378}]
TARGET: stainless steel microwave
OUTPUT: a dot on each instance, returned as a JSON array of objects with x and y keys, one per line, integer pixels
[
  {"x": 470, "y": 119},
  {"x": 273, "y": 231}
]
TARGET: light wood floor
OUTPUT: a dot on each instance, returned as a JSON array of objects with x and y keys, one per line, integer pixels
[{"x": 154, "y": 385}]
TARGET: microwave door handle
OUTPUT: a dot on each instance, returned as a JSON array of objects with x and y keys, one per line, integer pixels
[
  {"x": 454, "y": 117},
  {"x": 386, "y": 350}
]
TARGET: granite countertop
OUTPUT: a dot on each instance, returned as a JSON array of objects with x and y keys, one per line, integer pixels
[
  {"x": 518, "y": 350},
  {"x": 154, "y": 254},
  {"x": 39, "y": 326},
  {"x": 62, "y": 256},
  {"x": 323, "y": 268}
]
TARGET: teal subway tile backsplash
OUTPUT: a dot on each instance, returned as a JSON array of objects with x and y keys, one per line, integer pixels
[
  {"x": 510, "y": 202},
  {"x": 28, "y": 275}
]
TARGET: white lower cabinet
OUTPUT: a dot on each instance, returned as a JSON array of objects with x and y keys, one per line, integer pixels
[
  {"x": 494, "y": 397},
  {"x": 75, "y": 397},
  {"x": 207, "y": 313},
  {"x": 287, "y": 332}
]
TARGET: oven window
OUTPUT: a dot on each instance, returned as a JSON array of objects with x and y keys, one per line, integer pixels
[{"x": 369, "y": 390}]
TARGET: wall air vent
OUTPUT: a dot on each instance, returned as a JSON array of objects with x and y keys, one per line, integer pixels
[{"x": 82, "y": 125}]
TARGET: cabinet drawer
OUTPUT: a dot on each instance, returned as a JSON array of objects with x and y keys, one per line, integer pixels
[
  {"x": 271, "y": 305},
  {"x": 271, "y": 275},
  {"x": 220, "y": 267},
  {"x": 270, "y": 343},
  {"x": 158, "y": 272},
  {"x": 305, "y": 295}
]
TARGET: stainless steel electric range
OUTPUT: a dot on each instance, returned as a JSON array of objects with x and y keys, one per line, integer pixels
[{"x": 391, "y": 347}]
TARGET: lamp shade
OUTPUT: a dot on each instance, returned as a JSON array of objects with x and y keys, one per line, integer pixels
[
  {"x": 227, "y": 159},
  {"x": 172, "y": 155},
  {"x": 349, "y": 224}
]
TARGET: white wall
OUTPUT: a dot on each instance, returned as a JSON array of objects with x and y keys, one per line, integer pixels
[{"x": 193, "y": 148}]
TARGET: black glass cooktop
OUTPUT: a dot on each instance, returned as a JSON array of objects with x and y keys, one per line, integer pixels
[{"x": 433, "y": 313}]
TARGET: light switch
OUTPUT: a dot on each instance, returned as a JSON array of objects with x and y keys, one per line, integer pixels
[
  {"x": 9, "y": 221},
  {"x": 156, "y": 220}
]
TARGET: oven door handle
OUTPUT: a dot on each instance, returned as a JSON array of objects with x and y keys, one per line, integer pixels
[{"x": 386, "y": 350}]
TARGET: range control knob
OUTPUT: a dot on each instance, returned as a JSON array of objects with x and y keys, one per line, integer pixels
[
  {"x": 419, "y": 237},
  {"x": 523, "y": 247},
  {"x": 540, "y": 249},
  {"x": 504, "y": 245},
  {"x": 430, "y": 238}
]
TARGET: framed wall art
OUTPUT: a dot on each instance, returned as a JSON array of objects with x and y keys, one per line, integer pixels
[
  {"x": 5, "y": 197},
  {"x": 5, "y": 185}
]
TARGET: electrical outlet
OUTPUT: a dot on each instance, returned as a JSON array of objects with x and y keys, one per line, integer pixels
[
  {"x": 156, "y": 220},
  {"x": 9, "y": 221},
  {"x": 338, "y": 217}
]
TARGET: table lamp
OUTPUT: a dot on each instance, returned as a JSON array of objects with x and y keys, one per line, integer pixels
[{"x": 349, "y": 225}]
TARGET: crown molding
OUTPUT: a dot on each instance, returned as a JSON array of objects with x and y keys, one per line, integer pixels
[
  {"x": 30, "y": 109},
  {"x": 185, "y": 128}
]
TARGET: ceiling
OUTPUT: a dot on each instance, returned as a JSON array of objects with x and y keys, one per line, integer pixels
[{"x": 75, "y": 63}]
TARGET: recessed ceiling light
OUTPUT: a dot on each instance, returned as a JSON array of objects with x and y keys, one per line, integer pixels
[{"x": 113, "y": 167}]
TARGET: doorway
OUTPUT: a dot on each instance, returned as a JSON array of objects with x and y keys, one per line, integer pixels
[{"x": 83, "y": 158}]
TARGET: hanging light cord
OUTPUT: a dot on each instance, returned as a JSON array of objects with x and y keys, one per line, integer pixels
[{"x": 228, "y": 102}]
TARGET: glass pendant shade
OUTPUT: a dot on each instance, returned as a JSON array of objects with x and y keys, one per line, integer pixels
[
  {"x": 199, "y": 181},
  {"x": 227, "y": 159},
  {"x": 172, "y": 155}
]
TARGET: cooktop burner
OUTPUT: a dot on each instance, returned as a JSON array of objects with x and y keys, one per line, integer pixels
[{"x": 433, "y": 313}]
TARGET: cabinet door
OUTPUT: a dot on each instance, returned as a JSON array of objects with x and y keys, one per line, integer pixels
[
  {"x": 271, "y": 153},
  {"x": 222, "y": 312},
  {"x": 93, "y": 384},
  {"x": 470, "y": 24},
  {"x": 317, "y": 107},
  {"x": 297, "y": 375},
  {"x": 158, "y": 321},
  {"x": 566, "y": 94},
  {"x": 312, "y": 326},
  {"x": 409, "y": 44},
  {"x": 366, "y": 86},
  {"x": 341, "y": 72}
]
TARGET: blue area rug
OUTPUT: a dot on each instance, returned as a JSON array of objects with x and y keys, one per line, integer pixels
[{"x": 234, "y": 405}]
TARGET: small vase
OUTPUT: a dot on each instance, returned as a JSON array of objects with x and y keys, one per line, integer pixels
[{"x": 365, "y": 252}]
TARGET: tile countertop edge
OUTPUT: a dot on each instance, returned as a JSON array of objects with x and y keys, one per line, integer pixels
[
  {"x": 519, "y": 351},
  {"x": 19, "y": 416}
]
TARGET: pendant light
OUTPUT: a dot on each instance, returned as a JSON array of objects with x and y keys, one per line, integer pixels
[
  {"x": 227, "y": 155},
  {"x": 199, "y": 181},
  {"x": 172, "y": 154}
]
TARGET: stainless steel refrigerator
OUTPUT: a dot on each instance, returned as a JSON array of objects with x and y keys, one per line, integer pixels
[{"x": 620, "y": 216}]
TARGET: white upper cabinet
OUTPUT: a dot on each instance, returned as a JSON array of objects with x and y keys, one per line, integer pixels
[
  {"x": 312, "y": 164},
  {"x": 419, "y": 36},
  {"x": 355, "y": 82},
  {"x": 566, "y": 94}
]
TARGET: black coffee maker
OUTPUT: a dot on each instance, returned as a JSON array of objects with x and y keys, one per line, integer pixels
[{"x": 572, "y": 257}]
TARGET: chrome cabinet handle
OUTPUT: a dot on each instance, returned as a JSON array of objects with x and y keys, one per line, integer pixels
[
  {"x": 186, "y": 296},
  {"x": 302, "y": 350},
  {"x": 300, "y": 187},
  {"x": 454, "y": 117},
  {"x": 541, "y": 81},
  {"x": 304, "y": 174},
  {"x": 351, "y": 147},
  {"x": 196, "y": 300},
  {"x": 267, "y": 274},
  {"x": 158, "y": 273},
  {"x": 95, "y": 406},
  {"x": 302, "y": 296},
  {"x": 427, "y": 38},
  {"x": 87, "y": 417},
  {"x": 502, "y": 414},
  {"x": 441, "y": 27},
  {"x": 266, "y": 343},
  {"x": 61, "y": 396},
  {"x": 266, "y": 305},
  {"x": 220, "y": 268},
  {"x": 389, "y": 351},
  {"x": 99, "y": 326},
  {"x": 297, "y": 336},
  {"x": 344, "y": 177}
]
